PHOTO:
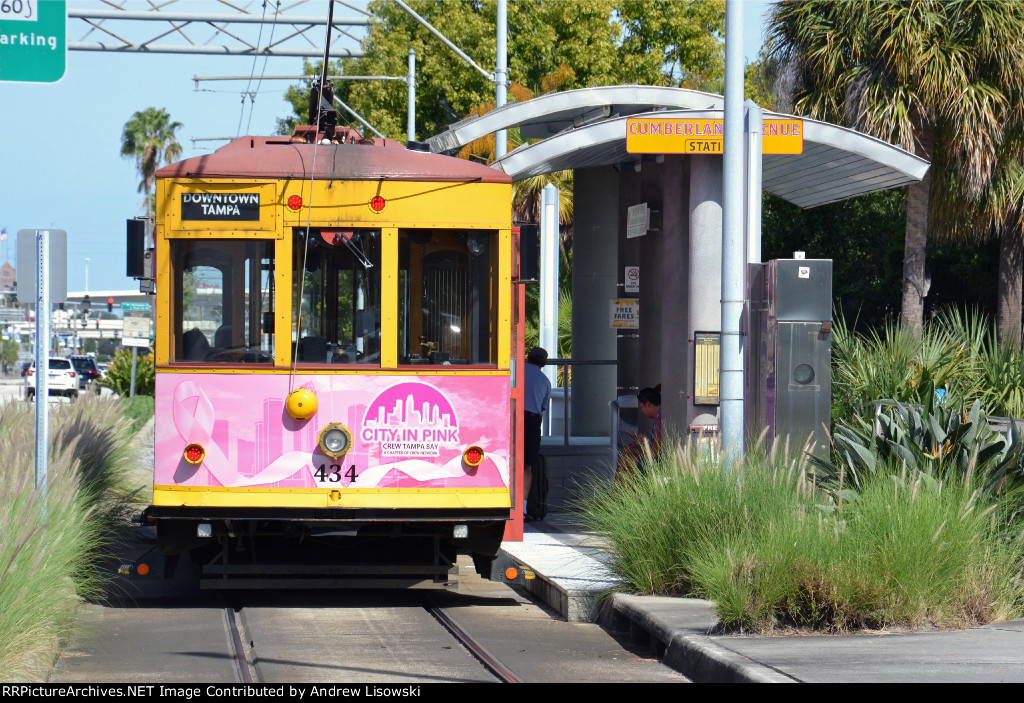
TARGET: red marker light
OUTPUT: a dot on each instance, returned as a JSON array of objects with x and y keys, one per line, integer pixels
[
  {"x": 194, "y": 453},
  {"x": 295, "y": 202},
  {"x": 473, "y": 456},
  {"x": 377, "y": 203}
]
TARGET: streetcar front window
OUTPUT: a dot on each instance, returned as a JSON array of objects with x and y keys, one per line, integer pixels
[
  {"x": 336, "y": 289},
  {"x": 447, "y": 296},
  {"x": 223, "y": 293}
]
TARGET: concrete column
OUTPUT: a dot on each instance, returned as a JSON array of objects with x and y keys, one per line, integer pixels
[
  {"x": 705, "y": 263},
  {"x": 652, "y": 301},
  {"x": 632, "y": 252},
  {"x": 594, "y": 279},
  {"x": 676, "y": 366}
]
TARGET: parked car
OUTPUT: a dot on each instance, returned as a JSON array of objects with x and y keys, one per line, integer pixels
[
  {"x": 60, "y": 380},
  {"x": 25, "y": 366},
  {"x": 88, "y": 373}
]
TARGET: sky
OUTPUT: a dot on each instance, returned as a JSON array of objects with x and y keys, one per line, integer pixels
[{"x": 60, "y": 163}]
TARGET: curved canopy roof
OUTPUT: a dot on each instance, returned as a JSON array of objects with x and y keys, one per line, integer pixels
[
  {"x": 836, "y": 163},
  {"x": 549, "y": 114}
]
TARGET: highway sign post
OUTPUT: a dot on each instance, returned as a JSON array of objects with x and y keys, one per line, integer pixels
[
  {"x": 136, "y": 331},
  {"x": 33, "y": 40}
]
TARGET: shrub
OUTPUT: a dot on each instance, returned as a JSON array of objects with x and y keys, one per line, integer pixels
[
  {"x": 942, "y": 442},
  {"x": 119, "y": 374},
  {"x": 140, "y": 408},
  {"x": 772, "y": 550}
]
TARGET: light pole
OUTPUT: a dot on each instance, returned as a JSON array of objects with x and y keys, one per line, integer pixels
[{"x": 87, "y": 274}]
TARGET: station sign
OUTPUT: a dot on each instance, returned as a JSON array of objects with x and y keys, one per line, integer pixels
[
  {"x": 652, "y": 135},
  {"x": 33, "y": 40}
]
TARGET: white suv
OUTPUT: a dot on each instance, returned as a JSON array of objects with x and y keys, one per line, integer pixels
[{"x": 61, "y": 379}]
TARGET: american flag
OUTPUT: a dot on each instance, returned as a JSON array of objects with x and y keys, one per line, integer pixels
[{"x": 3, "y": 234}]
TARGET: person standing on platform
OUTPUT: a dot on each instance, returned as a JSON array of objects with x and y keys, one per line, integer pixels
[
  {"x": 538, "y": 393},
  {"x": 648, "y": 402}
]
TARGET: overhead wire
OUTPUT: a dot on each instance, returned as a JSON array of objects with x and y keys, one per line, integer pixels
[
  {"x": 252, "y": 72},
  {"x": 309, "y": 207},
  {"x": 263, "y": 71}
]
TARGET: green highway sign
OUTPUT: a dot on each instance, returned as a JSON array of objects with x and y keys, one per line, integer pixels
[
  {"x": 33, "y": 40},
  {"x": 135, "y": 306}
]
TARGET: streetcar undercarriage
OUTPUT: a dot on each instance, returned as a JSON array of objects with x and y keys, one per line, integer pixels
[{"x": 238, "y": 549}]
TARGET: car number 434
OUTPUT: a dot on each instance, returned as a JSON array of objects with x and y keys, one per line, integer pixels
[{"x": 333, "y": 473}]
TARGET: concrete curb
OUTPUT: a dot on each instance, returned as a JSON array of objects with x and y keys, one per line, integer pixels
[
  {"x": 675, "y": 628},
  {"x": 566, "y": 581}
]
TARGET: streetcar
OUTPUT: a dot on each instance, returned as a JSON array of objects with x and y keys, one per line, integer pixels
[{"x": 335, "y": 353}]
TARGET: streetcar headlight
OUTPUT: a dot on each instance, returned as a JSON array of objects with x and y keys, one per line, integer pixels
[
  {"x": 335, "y": 440},
  {"x": 204, "y": 529},
  {"x": 460, "y": 531}
]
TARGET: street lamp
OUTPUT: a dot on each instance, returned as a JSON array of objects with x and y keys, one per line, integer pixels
[{"x": 87, "y": 274}]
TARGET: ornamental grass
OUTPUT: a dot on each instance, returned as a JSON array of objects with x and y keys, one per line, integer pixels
[
  {"x": 774, "y": 551},
  {"x": 50, "y": 546}
]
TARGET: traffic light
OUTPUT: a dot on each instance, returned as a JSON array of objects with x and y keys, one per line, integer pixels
[
  {"x": 85, "y": 304},
  {"x": 110, "y": 305},
  {"x": 60, "y": 305}
]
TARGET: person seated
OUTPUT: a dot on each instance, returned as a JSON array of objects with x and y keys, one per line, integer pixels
[
  {"x": 648, "y": 402},
  {"x": 194, "y": 345}
]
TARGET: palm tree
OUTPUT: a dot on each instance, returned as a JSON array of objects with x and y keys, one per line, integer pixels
[
  {"x": 149, "y": 138},
  {"x": 999, "y": 212},
  {"x": 938, "y": 78}
]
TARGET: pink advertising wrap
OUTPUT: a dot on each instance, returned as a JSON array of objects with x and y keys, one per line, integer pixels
[{"x": 406, "y": 433}]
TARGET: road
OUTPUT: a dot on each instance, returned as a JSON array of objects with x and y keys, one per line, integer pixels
[{"x": 343, "y": 636}]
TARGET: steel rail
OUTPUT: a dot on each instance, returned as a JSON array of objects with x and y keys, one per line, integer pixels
[
  {"x": 489, "y": 661},
  {"x": 234, "y": 630}
]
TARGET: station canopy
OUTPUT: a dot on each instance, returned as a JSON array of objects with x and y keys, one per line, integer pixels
[{"x": 587, "y": 127}]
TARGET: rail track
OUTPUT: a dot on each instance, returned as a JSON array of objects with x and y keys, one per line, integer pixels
[{"x": 245, "y": 647}]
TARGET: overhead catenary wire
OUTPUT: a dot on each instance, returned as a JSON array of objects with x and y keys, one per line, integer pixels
[
  {"x": 309, "y": 207},
  {"x": 259, "y": 83}
]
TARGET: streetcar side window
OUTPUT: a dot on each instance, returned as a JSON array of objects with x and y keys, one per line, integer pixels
[
  {"x": 336, "y": 289},
  {"x": 222, "y": 301},
  {"x": 447, "y": 297}
]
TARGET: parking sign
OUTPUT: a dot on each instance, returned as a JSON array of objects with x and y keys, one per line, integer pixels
[{"x": 33, "y": 40}]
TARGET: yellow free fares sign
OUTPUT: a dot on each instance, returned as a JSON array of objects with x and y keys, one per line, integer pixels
[{"x": 651, "y": 135}]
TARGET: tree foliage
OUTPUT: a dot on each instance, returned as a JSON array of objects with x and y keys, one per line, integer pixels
[
  {"x": 119, "y": 374},
  {"x": 940, "y": 79},
  {"x": 149, "y": 138},
  {"x": 552, "y": 45}
]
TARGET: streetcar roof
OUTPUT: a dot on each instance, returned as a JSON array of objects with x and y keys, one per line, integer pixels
[{"x": 276, "y": 157}]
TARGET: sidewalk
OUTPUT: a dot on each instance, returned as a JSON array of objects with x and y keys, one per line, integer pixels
[{"x": 571, "y": 578}]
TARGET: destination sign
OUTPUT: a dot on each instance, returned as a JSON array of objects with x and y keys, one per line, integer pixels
[
  {"x": 239, "y": 207},
  {"x": 648, "y": 135}
]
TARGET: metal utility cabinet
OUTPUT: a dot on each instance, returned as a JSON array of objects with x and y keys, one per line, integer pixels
[{"x": 789, "y": 392}]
